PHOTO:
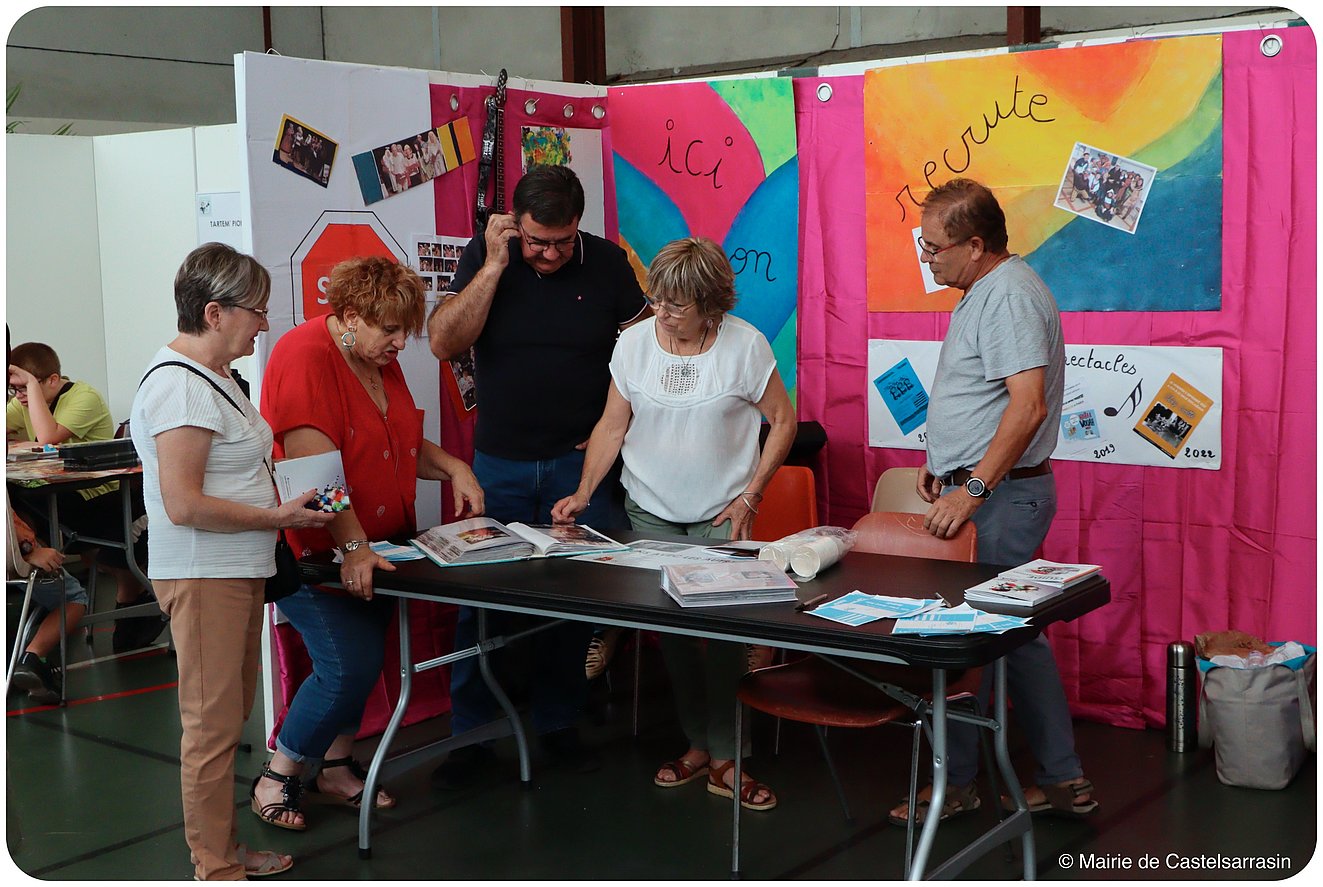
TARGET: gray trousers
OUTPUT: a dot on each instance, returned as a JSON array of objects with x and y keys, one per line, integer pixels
[
  {"x": 704, "y": 673},
  {"x": 1012, "y": 524}
]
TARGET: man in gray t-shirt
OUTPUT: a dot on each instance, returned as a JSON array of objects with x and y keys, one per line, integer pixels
[{"x": 992, "y": 426}]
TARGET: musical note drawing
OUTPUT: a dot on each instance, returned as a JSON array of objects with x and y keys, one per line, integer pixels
[{"x": 1133, "y": 400}]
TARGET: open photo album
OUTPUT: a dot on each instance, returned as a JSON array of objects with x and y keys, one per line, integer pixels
[{"x": 481, "y": 540}]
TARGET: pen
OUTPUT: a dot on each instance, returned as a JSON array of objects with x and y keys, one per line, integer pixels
[{"x": 811, "y": 603}]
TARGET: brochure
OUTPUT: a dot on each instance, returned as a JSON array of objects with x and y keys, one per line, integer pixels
[
  {"x": 1051, "y": 573},
  {"x": 650, "y": 554},
  {"x": 324, "y": 472},
  {"x": 730, "y": 582},
  {"x": 1010, "y": 593},
  {"x": 858, "y": 608},
  {"x": 481, "y": 540}
]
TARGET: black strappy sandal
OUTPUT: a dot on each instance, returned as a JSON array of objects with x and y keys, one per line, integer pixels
[
  {"x": 291, "y": 791},
  {"x": 355, "y": 801}
]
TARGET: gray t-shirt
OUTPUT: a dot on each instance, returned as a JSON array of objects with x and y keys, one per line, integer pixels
[{"x": 1006, "y": 323}]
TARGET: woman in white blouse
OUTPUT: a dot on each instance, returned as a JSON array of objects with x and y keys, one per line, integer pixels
[
  {"x": 212, "y": 508},
  {"x": 689, "y": 389}
]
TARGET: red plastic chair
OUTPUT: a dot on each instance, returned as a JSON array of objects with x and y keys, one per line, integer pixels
[{"x": 828, "y": 693}]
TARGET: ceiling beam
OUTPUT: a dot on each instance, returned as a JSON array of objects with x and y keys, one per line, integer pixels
[
  {"x": 1024, "y": 24},
  {"x": 583, "y": 44}
]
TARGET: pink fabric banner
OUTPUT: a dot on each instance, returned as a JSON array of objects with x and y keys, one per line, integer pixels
[{"x": 1186, "y": 551}]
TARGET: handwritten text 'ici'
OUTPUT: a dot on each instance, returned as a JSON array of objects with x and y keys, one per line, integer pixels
[{"x": 694, "y": 159}]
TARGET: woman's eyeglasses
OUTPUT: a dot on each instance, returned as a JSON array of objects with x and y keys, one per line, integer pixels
[{"x": 671, "y": 308}]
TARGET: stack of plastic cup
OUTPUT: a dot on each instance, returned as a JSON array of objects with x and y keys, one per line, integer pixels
[
  {"x": 812, "y": 556},
  {"x": 776, "y": 552}
]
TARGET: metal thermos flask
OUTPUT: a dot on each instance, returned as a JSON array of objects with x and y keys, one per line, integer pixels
[{"x": 1181, "y": 709}]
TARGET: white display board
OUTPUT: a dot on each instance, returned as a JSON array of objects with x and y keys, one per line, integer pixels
[{"x": 1129, "y": 404}]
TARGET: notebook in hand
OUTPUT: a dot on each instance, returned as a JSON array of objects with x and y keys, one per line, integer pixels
[{"x": 481, "y": 540}]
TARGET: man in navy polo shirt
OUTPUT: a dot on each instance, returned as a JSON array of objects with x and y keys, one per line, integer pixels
[{"x": 541, "y": 303}]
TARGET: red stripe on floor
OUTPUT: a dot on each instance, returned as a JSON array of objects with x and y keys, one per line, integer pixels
[{"x": 85, "y": 700}]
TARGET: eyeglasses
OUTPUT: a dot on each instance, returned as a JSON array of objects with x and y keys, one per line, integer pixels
[
  {"x": 537, "y": 244},
  {"x": 934, "y": 250},
  {"x": 660, "y": 305},
  {"x": 260, "y": 312}
]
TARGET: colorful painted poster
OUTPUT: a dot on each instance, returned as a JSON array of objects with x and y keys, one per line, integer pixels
[
  {"x": 716, "y": 160},
  {"x": 1014, "y": 122},
  {"x": 1126, "y": 404}
]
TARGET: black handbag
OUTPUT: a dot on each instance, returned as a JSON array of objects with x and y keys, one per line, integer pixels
[{"x": 286, "y": 580}]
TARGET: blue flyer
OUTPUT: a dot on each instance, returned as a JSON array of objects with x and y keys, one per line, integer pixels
[{"x": 904, "y": 396}]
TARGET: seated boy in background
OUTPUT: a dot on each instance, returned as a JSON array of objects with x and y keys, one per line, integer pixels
[
  {"x": 54, "y": 588},
  {"x": 48, "y": 408}
]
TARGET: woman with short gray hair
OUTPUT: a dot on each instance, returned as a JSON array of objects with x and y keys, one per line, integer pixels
[{"x": 212, "y": 506}]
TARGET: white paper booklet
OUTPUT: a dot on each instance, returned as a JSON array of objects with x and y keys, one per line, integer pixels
[
  {"x": 481, "y": 540},
  {"x": 1009, "y": 593},
  {"x": 729, "y": 582},
  {"x": 322, "y": 472},
  {"x": 650, "y": 554},
  {"x": 1041, "y": 572}
]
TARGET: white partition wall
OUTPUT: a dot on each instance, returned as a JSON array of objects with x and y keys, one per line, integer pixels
[
  {"x": 53, "y": 265},
  {"x": 96, "y": 228}
]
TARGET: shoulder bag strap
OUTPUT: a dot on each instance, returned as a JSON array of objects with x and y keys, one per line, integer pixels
[{"x": 197, "y": 372}]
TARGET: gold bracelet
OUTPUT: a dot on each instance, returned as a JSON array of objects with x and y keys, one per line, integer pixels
[{"x": 744, "y": 497}]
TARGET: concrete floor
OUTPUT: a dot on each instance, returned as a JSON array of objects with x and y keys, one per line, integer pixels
[{"x": 93, "y": 794}]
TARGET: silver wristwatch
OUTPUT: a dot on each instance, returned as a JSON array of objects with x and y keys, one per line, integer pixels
[{"x": 353, "y": 545}]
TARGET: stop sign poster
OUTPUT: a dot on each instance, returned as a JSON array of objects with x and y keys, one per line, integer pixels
[{"x": 334, "y": 237}]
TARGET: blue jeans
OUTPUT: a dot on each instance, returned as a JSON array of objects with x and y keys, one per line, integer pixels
[
  {"x": 525, "y": 491},
  {"x": 346, "y": 639},
  {"x": 1012, "y": 524}
]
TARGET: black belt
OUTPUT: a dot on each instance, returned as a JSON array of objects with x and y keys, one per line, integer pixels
[{"x": 958, "y": 477}]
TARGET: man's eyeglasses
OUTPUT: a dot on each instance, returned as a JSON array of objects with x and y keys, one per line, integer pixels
[
  {"x": 537, "y": 244},
  {"x": 671, "y": 308},
  {"x": 934, "y": 250}
]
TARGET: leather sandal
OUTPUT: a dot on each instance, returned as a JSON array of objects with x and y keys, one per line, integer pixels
[
  {"x": 959, "y": 801},
  {"x": 684, "y": 772},
  {"x": 749, "y": 788},
  {"x": 320, "y": 796},
  {"x": 261, "y": 863},
  {"x": 291, "y": 790},
  {"x": 1061, "y": 800}
]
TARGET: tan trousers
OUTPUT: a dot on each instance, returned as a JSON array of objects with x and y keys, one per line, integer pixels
[{"x": 217, "y": 629}]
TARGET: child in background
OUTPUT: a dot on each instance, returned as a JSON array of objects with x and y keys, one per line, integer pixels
[
  {"x": 54, "y": 588},
  {"x": 49, "y": 408}
]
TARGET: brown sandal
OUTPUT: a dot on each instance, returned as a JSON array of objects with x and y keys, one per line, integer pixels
[
  {"x": 959, "y": 801},
  {"x": 1061, "y": 800},
  {"x": 355, "y": 801},
  {"x": 684, "y": 772},
  {"x": 749, "y": 788}
]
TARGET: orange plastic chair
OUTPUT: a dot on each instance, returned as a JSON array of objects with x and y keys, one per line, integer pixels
[
  {"x": 822, "y": 693},
  {"x": 790, "y": 504}
]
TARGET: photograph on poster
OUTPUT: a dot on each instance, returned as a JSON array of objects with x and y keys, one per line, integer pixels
[
  {"x": 461, "y": 371},
  {"x": 436, "y": 258},
  {"x": 303, "y": 150},
  {"x": 392, "y": 169},
  {"x": 544, "y": 146},
  {"x": 1105, "y": 187},
  {"x": 1175, "y": 412}
]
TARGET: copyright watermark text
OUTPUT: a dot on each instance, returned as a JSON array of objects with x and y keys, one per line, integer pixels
[{"x": 1119, "y": 862}]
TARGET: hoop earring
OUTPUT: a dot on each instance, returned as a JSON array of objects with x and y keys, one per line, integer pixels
[{"x": 347, "y": 338}]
